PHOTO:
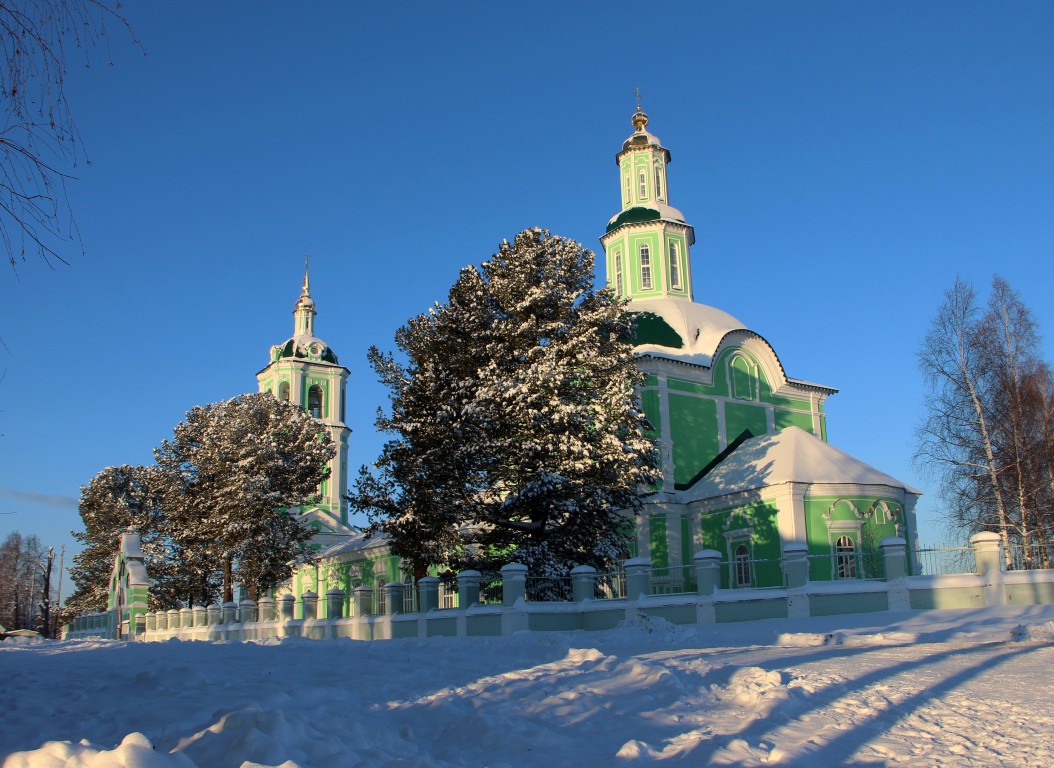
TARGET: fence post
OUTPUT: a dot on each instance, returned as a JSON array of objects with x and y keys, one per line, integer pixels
[
  {"x": 468, "y": 588},
  {"x": 393, "y": 598},
  {"x": 198, "y": 612},
  {"x": 309, "y": 601},
  {"x": 214, "y": 614},
  {"x": 427, "y": 594},
  {"x": 796, "y": 564},
  {"x": 638, "y": 577},
  {"x": 173, "y": 618},
  {"x": 583, "y": 583},
  {"x": 988, "y": 554},
  {"x": 247, "y": 611},
  {"x": 894, "y": 557},
  {"x": 707, "y": 563},
  {"x": 335, "y": 603},
  {"x": 987, "y": 551},
  {"x": 286, "y": 607},
  {"x": 513, "y": 583},
  {"x": 230, "y": 612},
  {"x": 139, "y": 628},
  {"x": 265, "y": 609},
  {"x": 363, "y": 597},
  {"x": 151, "y": 622},
  {"x": 186, "y": 617}
]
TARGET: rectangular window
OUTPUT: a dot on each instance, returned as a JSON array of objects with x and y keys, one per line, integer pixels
[
  {"x": 658, "y": 184},
  {"x": 619, "y": 287},
  {"x": 645, "y": 267},
  {"x": 675, "y": 268},
  {"x": 643, "y": 186}
]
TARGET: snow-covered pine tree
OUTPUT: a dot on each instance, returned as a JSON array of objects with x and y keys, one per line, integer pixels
[
  {"x": 116, "y": 499},
  {"x": 235, "y": 468},
  {"x": 515, "y": 420}
]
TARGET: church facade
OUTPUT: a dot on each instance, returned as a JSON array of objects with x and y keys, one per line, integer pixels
[{"x": 746, "y": 467}]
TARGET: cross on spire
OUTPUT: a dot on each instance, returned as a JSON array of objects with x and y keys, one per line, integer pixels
[{"x": 636, "y": 92}]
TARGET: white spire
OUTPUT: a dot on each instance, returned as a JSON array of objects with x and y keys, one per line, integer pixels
[{"x": 305, "y": 308}]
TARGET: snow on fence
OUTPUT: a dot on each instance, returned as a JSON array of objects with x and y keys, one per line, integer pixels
[{"x": 514, "y": 601}]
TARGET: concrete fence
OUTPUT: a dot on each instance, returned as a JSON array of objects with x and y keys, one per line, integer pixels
[{"x": 646, "y": 590}]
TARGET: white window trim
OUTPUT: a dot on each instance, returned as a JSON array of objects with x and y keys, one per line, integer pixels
[{"x": 675, "y": 267}]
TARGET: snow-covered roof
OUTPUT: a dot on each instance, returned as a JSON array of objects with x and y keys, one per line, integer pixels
[
  {"x": 699, "y": 327},
  {"x": 790, "y": 455},
  {"x": 354, "y": 543}
]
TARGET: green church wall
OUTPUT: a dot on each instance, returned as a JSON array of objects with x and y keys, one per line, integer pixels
[
  {"x": 762, "y": 539},
  {"x": 739, "y": 417},
  {"x": 659, "y": 542},
  {"x": 688, "y": 386},
  {"x": 649, "y": 401},
  {"x": 828, "y": 518},
  {"x": 786, "y": 419},
  {"x": 693, "y": 430}
]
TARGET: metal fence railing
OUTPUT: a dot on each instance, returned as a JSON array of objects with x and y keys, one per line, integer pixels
[
  {"x": 1030, "y": 558},
  {"x": 548, "y": 588},
  {"x": 940, "y": 561},
  {"x": 610, "y": 586},
  {"x": 674, "y": 580},
  {"x": 758, "y": 574},
  {"x": 846, "y": 565},
  {"x": 447, "y": 595}
]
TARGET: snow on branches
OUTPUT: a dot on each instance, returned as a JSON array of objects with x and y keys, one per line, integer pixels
[{"x": 515, "y": 423}]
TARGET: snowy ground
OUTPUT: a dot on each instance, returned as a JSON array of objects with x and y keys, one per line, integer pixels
[{"x": 941, "y": 688}]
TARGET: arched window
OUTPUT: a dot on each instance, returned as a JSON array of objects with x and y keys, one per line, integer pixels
[
  {"x": 658, "y": 184},
  {"x": 744, "y": 378},
  {"x": 378, "y": 598},
  {"x": 283, "y": 391},
  {"x": 409, "y": 594},
  {"x": 314, "y": 401},
  {"x": 845, "y": 558},
  {"x": 619, "y": 286},
  {"x": 645, "y": 267},
  {"x": 643, "y": 185},
  {"x": 743, "y": 575},
  {"x": 675, "y": 267}
]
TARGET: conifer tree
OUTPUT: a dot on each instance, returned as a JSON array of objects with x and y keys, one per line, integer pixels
[
  {"x": 516, "y": 428},
  {"x": 233, "y": 469},
  {"x": 117, "y": 499}
]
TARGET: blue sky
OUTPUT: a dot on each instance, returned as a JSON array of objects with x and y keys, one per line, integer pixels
[{"x": 841, "y": 163}]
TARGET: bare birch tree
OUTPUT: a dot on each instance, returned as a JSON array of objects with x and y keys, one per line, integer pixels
[{"x": 989, "y": 418}]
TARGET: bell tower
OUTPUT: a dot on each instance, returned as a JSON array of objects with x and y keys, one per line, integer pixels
[
  {"x": 647, "y": 243},
  {"x": 304, "y": 370}
]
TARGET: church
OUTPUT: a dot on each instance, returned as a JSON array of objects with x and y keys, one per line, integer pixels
[{"x": 746, "y": 467}]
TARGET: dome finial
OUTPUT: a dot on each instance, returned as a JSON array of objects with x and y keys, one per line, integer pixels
[{"x": 640, "y": 120}]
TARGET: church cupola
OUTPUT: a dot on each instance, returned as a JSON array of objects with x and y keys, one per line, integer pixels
[
  {"x": 647, "y": 243},
  {"x": 305, "y": 309}
]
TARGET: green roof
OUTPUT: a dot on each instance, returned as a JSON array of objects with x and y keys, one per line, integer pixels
[
  {"x": 635, "y": 215},
  {"x": 652, "y": 329}
]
